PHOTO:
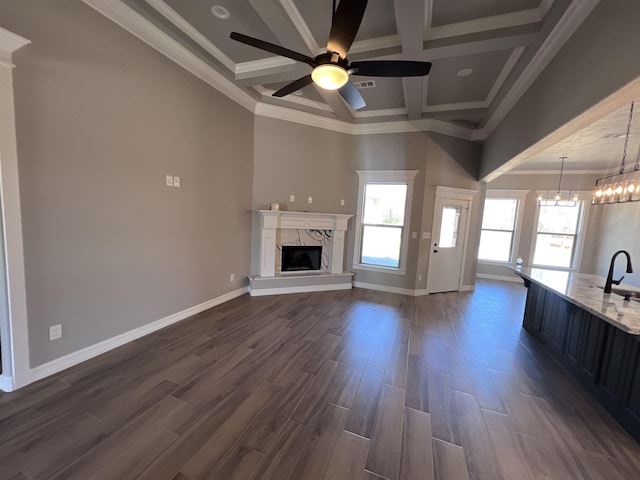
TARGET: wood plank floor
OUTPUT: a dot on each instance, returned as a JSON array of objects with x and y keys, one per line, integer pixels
[{"x": 342, "y": 385}]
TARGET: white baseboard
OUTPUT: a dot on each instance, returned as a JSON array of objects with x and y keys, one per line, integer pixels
[
  {"x": 259, "y": 292},
  {"x": 502, "y": 278},
  {"x": 6, "y": 383},
  {"x": 80, "y": 356},
  {"x": 384, "y": 288},
  {"x": 467, "y": 288}
]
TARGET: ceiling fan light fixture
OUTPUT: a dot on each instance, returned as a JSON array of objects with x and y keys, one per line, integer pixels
[{"x": 329, "y": 76}]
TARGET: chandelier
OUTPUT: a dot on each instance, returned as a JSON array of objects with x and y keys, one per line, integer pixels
[
  {"x": 622, "y": 187},
  {"x": 550, "y": 198}
]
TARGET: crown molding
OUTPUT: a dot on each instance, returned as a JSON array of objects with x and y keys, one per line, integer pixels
[
  {"x": 385, "y": 112},
  {"x": 10, "y": 42},
  {"x": 576, "y": 13},
  {"x": 406, "y": 126},
  {"x": 283, "y": 113},
  {"x": 176, "y": 19},
  {"x": 448, "y": 107},
  {"x": 266, "y": 92},
  {"x": 556, "y": 172},
  {"x": 135, "y": 24}
]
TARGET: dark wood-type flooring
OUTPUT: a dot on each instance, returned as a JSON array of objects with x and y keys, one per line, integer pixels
[{"x": 343, "y": 385}]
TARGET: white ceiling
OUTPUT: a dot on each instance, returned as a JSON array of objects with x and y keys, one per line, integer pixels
[{"x": 597, "y": 148}]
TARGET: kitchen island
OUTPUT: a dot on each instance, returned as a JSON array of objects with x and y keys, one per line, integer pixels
[{"x": 596, "y": 336}]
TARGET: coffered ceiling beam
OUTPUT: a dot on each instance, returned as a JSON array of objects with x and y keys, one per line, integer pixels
[
  {"x": 410, "y": 16},
  {"x": 274, "y": 16}
]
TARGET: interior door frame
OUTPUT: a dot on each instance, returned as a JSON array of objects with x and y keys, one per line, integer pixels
[
  {"x": 16, "y": 370},
  {"x": 458, "y": 194}
]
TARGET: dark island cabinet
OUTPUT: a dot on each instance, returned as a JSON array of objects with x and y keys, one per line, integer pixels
[{"x": 602, "y": 357}]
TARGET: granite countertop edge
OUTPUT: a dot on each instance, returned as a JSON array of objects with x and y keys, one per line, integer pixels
[{"x": 582, "y": 290}]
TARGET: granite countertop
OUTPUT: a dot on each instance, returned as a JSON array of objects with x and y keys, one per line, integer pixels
[{"x": 583, "y": 291}]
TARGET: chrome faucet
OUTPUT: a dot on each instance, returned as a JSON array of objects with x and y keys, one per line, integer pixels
[{"x": 610, "y": 280}]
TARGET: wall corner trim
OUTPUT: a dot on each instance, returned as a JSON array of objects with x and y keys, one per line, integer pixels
[
  {"x": 62, "y": 363},
  {"x": 10, "y": 42}
]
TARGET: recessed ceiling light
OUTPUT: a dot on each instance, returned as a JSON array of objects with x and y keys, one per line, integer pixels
[
  {"x": 465, "y": 72},
  {"x": 220, "y": 12}
]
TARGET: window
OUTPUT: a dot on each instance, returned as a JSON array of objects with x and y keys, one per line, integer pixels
[
  {"x": 500, "y": 225},
  {"x": 384, "y": 204},
  {"x": 557, "y": 233}
]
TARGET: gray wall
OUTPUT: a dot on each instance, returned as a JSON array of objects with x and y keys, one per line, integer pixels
[
  {"x": 101, "y": 119},
  {"x": 532, "y": 183},
  {"x": 306, "y": 161},
  {"x": 593, "y": 64}
]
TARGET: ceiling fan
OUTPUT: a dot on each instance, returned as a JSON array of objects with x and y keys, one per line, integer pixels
[{"x": 331, "y": 70}]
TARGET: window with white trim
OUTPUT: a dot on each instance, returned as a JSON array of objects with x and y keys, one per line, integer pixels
[
  {"x": 556, "y": 241},
  {"x": 501, "y": 224},
  {"x": 384, "y": 207}
]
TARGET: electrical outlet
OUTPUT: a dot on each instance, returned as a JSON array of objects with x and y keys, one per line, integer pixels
[
  {"x": 342, "y": 202},
  {"x": 309, "y": 200},
  {"x": 169, "y": 180},
  {"x": 232, "y": 277},
  {"x": 292, "y": 198},
  {"x": 176, "y": 182},
  {"x": 55, "y": 332},
  {"x": 414, "y": 234}
]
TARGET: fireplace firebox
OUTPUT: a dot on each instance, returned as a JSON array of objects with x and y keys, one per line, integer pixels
[{"x": 301, "y": 257}]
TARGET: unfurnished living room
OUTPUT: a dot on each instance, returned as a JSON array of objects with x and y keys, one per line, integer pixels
[{"x": 320, "y": 239}]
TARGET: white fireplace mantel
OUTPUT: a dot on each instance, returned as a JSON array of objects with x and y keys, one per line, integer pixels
[{"x": 272, "y": 220}]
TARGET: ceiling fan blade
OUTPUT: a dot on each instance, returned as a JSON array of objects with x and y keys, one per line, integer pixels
[
  {"x": 270, "y": 47},
  {"x": 352, "y": 96},
  {"x": 346, "y": 22},
  {"x": 390, "y": 68},
  {"x": 293, "y": 86}
]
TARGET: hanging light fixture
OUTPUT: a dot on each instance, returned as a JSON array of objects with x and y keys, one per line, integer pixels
[
  {"x": 550, "y": 198},
  {"x": 622, "y": 187}
]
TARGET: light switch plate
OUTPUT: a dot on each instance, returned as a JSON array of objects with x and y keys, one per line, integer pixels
[
  {"x": 176, "y": 182},
  {"x": 169, "y": 180}
]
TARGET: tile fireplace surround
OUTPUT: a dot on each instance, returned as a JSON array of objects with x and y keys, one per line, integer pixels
[{"x": 270, "y": 282}]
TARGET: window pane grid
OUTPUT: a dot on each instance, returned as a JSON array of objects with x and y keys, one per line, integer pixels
[
  {"x": 498, "y": 229},
  {"x": 556, "y": 236}
]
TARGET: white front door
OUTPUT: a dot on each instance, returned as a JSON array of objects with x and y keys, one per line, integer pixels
[{"x": 447, "y": 245}]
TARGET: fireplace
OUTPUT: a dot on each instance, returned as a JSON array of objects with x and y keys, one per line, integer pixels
[
  {"x": 280, "y": 229},
  {"x": 301, "y": 257}
]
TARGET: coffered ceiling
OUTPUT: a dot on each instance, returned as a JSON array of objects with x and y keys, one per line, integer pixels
[{"x": 485, "y": 53}]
